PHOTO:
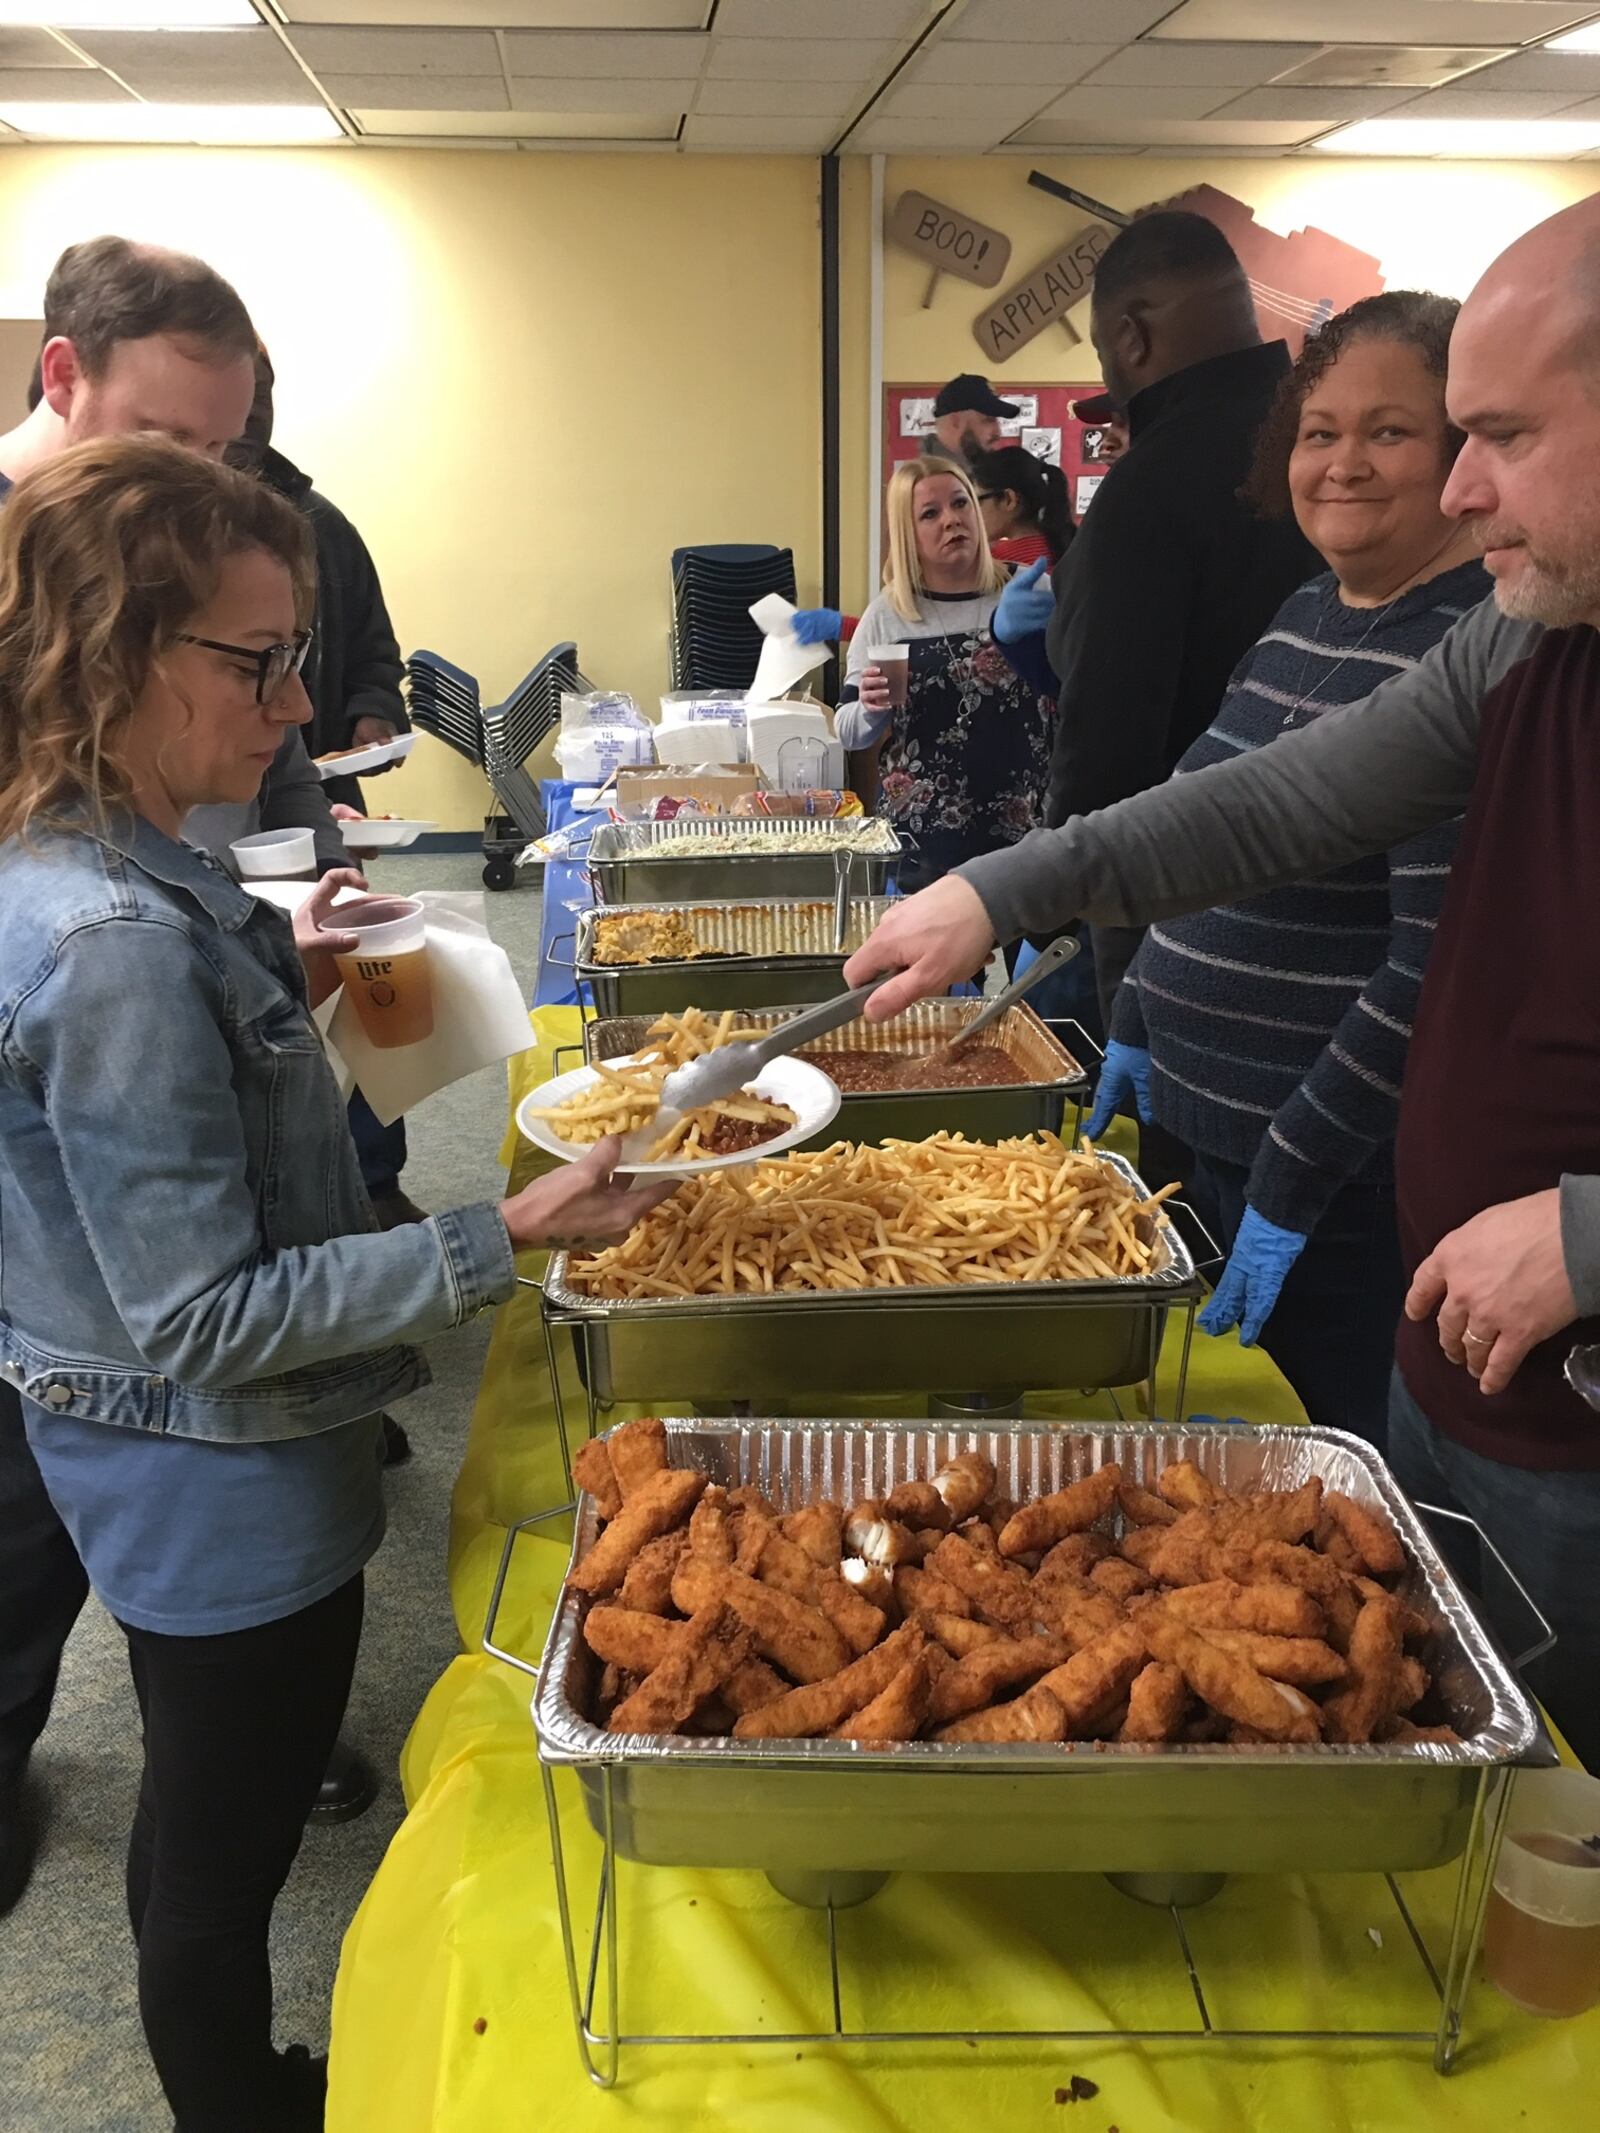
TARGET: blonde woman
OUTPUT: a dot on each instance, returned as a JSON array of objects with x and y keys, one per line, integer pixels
[
  {"x": 964, "y": 760},
  {"x": 196, "y": 1309}
]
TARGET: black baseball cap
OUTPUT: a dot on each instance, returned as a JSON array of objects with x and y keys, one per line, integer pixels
[
  {"x": 1098, "y": 407},
  {"x": 971, "y": 391}
]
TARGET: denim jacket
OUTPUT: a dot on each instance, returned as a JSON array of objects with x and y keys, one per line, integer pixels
[{"x": 185, "y": 1242}]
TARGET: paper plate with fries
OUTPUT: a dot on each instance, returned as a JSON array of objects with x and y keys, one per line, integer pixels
[{"x": 784, "y": 1103}]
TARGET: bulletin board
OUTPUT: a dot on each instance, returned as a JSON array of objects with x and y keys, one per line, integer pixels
[{"x": 1045, "y": 425}]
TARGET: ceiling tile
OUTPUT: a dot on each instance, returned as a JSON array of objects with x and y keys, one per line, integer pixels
[
  {"x": 1166, "y": 133},
  {"x": 518, "y": 125},
  {"x": 1229, "y": 66},
  {"x": 1050, "y": 65},
  {"x": 769, "y": 136},
  {"x": 1317, "y": 107},
  {"x": 926, "y": 136},
  {"x": 1544, "y": 70},
  {"x": 537, "y": 54},
  {"x": 1472, "y": 102},
  {"x": 1374, "y": 21},
  {"x": 506, "y": 14},
  {"x": 820, "y": 18},
  {"x": 845, "y": 59},
  {"x": 60, "y": 85},
  {"x": 399, "y": 51},
  {"x": 34, "y": 48},
  {"x": 201, "y": 66},
  {"x": 426, "y": 92},
  {"x": 776, "y": 99},
  {"x": 1065, "y": 21},
  {"x": 1089, "y": 100},
  {"x": 562, "y": 95},
  {"x": 1004, "y": 107}
]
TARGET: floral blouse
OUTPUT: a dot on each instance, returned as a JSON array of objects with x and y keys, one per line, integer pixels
[{"x": 966, "y": 762}]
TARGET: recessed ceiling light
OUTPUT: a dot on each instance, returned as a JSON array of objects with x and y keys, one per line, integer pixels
[
  {"x": 211, "y": 125},
  {"x": 1576, "y": 40},
  {"x": 1508, "y": 140},
  {"x": 128, "y": 14}
]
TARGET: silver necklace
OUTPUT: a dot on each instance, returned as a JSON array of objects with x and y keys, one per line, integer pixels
[{"x": 1303, "y": 700}]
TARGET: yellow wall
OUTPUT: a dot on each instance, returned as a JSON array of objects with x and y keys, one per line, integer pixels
[
  {"x": 528, "y": 377},
  {"x": 525, "y": 377}
]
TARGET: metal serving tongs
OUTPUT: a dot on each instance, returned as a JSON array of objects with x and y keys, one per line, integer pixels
[
  {"x": 1051, "y": 958},
  {"x": 719, "y": 1073}
]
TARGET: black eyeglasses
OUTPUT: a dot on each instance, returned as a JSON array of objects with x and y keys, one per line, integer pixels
[
  {"x": 990, "y": 496},
  {"x": 274, "y": 663}
]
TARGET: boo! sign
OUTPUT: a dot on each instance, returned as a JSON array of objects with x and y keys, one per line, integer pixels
[{"x": 948, "y": 240}]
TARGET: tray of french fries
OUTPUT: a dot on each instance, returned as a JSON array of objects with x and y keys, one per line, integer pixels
[
  {"x": 1043, "y": 1080},
  {"x": 920, "y": 1265},
  {"x": 1126, "y": 1649},
  {"x": 783, "y": 1104},
  {"x": 642, "y": 958},
  {"x": 635, "y": 862}
]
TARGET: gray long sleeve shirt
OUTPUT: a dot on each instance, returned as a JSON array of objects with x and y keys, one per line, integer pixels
[{"x": 1355, "y": 782}]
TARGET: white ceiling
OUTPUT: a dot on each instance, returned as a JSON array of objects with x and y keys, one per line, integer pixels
[{"x": 857, "y": 76}]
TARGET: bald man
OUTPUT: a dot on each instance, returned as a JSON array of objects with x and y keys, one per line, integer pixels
[{"x": 1498, "y": 1149}]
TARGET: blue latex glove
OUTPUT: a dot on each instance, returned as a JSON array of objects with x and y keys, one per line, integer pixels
[
  {"x": 1025, "y": 606},
  {"x": 1126, "y": 1072},
  {"x": 817, "y": 625},
  {"x": 1261, "y": 1258}
]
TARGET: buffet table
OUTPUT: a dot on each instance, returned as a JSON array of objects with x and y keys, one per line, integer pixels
[{"x": 451, "y": 2013}]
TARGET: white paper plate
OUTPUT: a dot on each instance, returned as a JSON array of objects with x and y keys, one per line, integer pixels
[
  {"x": 374, "y": 758},
  {"x": 808, "y": 1092},
  {"x": 373, "y": 835}
]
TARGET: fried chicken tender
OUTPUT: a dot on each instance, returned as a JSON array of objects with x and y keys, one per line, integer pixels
[
  {"x": 638, "y": 1453},
  {"x": 1374, "y": 1663},
  {"x": 1141, "y": 1507},
  {"x": 918, "y": 1589},
  {"x": 752, "y": 1687},
  {"x": 1275, "y": 1562},
  {"x": 1229, "y": 1684},
  {"x": 710, "y": 1536},
  {"x": 791, "y": 1570},
  {"x": 1274, "y": 1515},
  {"x": 872, "y": 1581},
  {"x": 1404, "y": 1734},
  {"x": 957, "y": 1634},
  {"x": 1001, "y": 1593},
  {"x": 1369, "y": 1534},
  {"x": 1156, "y": 1704},
  {"x": 710, "y": 1646},
  {"x": 916, "y": 1504},
  {"x": 1413, "y": 1625},
  {"x": 1273, "y": 1610},
  {"x": 592, "y": 1471},
  {"x": 647, "y": 1588},
  {"x": 1304, "y": 1662},
  {"x": 1331, "y": 1540},
  {"x": 1097, "y": 1678},
  {"x": 819, "y": 1530},
  {"x": 1073, "y": 1608},
  {"x": 869, "y": 1534},
  {"x": 1189, "y": 1553},
  {"x": 1184, "y": 1487},
  {"x": 632, "y": 1641},
  {"x": 751, "y": 1527},
  {"x": 1140, "y": 1543},
  {"x": 1078, "y": 1553},
  {"x": 1410, "y": 1684},
  {"x": 803, "y": 1713},
  {"x": 965, "y": 1484},
  {"x": 661, "y": 1503},
  {"x": 1033, "y": 1716},
  {"x": 1119, "y": 1579},
  {"x": 1074, "y": 1509},
  {"x": 896, "y": 1712},
  {"x": 793, "y": 1635},
  {"x": 980, "y": 1533},
  {"x": 985, "y": 1673}
]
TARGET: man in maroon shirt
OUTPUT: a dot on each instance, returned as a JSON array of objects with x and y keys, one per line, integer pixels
[{"x": 1498, "y": 1150}]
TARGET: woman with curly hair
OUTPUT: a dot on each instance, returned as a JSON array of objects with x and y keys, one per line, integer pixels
[
  {"x": 1270, "y": 1035},
  {"x": 963, "y": 762}
]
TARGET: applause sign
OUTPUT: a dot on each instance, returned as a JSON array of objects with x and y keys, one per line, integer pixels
[
  {"x": 1044, "y": 297},
  {"x": 948, "y": 241}
]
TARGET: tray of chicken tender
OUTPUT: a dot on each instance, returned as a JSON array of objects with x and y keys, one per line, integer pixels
[{"x": 1042, "y": 1648}]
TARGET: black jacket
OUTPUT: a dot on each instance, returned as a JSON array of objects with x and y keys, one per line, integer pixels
[
  {"x": 1169, "y": 582},
  {"x": 354, "y": 669}
]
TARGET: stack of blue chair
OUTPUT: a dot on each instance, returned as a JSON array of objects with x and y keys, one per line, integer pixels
[{"x": 715, "y": 645}]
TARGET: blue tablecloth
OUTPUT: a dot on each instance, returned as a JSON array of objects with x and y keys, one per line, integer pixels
[{"x": 567, "y": 895}]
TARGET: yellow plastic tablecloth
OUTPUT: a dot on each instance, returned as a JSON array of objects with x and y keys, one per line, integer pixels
[{"x": 451, "y": 2012}]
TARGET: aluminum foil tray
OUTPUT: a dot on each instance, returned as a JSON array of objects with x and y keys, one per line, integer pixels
[
  {"x": 779, "y": 951},
  {"x": 1032, "y": 1335},
  {"x": 635, "y": 862},
  {"x": 1079, "y": 1808}
]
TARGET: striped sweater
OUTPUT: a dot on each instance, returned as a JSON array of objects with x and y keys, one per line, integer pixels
[{"x": 1278, "y": 1026}]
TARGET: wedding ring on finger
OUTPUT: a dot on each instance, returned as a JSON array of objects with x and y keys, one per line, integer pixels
[{"x": 1476, "y": 1348}]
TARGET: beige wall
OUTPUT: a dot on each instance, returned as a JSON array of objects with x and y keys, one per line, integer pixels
[
  {"x": 528, "y": 377},
  {"x": 525, "y": 377}
]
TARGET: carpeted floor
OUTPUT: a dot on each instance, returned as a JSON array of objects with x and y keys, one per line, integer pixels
[{"x": 71, "y": 2054}]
